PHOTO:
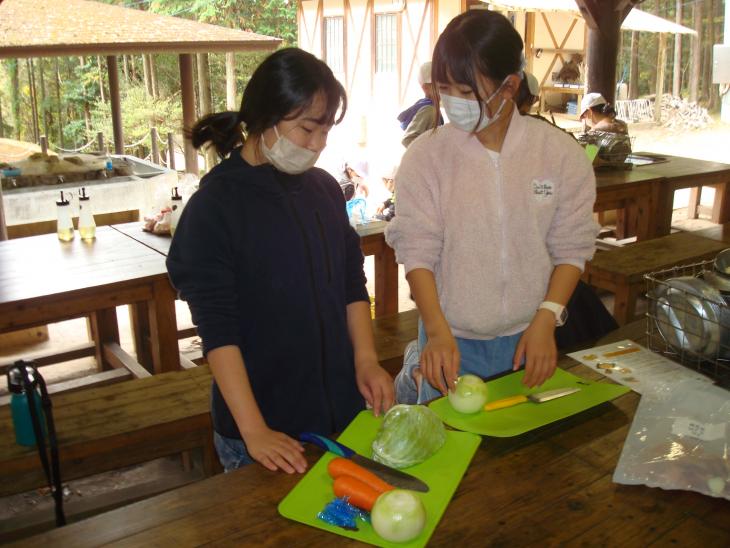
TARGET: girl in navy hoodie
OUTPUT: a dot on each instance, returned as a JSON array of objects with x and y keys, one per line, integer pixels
[{"x": 273, "y": 273}]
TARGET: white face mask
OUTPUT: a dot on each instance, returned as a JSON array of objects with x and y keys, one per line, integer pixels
[
  {"x": 287, "y": 156},
  {"x": 464, "y": 113}
]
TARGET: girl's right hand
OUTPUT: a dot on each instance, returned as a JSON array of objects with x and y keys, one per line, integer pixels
[
  {"x": 275, "y": 450},
  {"x": 440, "y": 361}
]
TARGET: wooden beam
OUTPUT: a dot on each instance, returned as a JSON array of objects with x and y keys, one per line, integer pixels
[
  {"x": 116, "y": 103},
  {"x": 119, "y": 359},
  {"x": 71, "y": 353},
  {"x": 188, "y": 110}
]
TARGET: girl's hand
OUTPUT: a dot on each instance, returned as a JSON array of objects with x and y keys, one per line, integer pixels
[
  {"x": 375, "y": 385},
  {"x": 275, "y": 450},
  {"x": 537, "y": 347},
  {"x": 440, "y": 361}
]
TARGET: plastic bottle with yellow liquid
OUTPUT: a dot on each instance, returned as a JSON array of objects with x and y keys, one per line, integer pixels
[
  {"x": 64, "y": 224},
  {"x": 87, "y": 225}
]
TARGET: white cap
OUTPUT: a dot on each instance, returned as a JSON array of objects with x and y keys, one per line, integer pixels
[
  {"x": 532, "y": 84},
  {"x": 591, "y": 100},
  {"x": 424, "y": 73}
]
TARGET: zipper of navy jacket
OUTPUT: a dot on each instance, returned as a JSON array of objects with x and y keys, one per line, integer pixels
[
  {"x": 327, "y": 259},
  {"x": 318, "y": 310}
]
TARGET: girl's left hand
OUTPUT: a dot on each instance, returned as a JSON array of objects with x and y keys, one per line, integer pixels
[
  {"x": 376, "y": 385},
  {"x": 538, "y": 350}
]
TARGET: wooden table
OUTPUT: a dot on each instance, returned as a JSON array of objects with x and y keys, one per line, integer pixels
[
  {"x": 547, "y": 487},
  {"x": 621, "y": 270},
  {"x": 44, "y": 280},
  {"x": 372, "y": 242},
  {"x": 646, "y": 193}
]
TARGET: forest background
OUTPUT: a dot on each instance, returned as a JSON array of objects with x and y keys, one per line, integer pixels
[{"x": 67, "y": 99}]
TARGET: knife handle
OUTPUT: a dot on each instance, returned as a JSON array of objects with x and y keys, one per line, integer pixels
[
  {"x": 505, "y": 402},
  {"x": 327, "y": 444}
]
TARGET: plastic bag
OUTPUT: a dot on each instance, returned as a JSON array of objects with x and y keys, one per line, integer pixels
[{"x": 680, "y": 439}]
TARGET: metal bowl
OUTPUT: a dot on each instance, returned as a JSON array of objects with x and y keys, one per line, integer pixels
[
  {"x": 692, "y": 315},
  {"x": 722, "y": 263}
]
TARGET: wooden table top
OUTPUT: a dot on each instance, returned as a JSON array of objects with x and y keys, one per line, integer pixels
[
  {"x": 632, "y": 262},
  {"x": 161, "y": 242},
  {"x": 40, "y": 266},
  {"x": 675, "y": 168},
  {"x": 550, "y": 486}
]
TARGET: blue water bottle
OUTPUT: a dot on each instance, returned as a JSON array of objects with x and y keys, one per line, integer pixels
[{"x": 19, "y": 408}]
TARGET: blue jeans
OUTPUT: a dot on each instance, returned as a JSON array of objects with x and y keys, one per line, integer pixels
[
  {"x": 484, "y": 358},
  {"x": 231, "y": 452}
]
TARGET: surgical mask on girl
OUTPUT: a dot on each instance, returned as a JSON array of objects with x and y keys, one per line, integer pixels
[
  {"x": 287, "y": 156},
  {"x": 464, "y": 113}
]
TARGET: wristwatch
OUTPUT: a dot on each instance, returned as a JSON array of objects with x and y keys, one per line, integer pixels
[{"x": 561, "y": 313}]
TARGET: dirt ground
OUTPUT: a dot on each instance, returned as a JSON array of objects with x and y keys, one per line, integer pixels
[{"x": 712, "y": 143}]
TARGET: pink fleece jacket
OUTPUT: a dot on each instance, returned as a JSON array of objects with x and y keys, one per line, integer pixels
[{"x": 491, "y": 230}]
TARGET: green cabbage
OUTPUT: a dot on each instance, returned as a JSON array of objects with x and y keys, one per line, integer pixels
[{"x": 409, "y": 435}]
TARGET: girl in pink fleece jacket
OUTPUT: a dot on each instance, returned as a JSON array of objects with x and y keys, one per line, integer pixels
[{"x": 495, "y": 218}]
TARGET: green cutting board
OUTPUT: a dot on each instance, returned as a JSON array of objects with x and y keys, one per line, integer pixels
[
  {"x": 442, "y": 472},
  {"x": 515, "y": 420}
]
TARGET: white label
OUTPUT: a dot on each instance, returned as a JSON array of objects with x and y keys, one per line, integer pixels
[
  {"x": 684, "y": 426},
  {"x": 543, "y": 189}
]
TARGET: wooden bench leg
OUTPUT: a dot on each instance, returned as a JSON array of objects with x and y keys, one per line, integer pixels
[
  {"x": 695, "y": 195},
  {"x": 163, "y": 328},
  {"x": 624, "y": 305},
  {"x": 140, "y": 323},
  {"x": 104, "y": 329}
]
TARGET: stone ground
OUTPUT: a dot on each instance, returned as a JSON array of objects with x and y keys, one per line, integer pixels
[{"x": 708, "y": 144}]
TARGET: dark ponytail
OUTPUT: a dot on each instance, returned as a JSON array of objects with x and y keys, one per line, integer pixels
[
  {"x": 222, "y": 130},
  {"x": 605, "y": 108},
  {"x": 282, "y": 86}
]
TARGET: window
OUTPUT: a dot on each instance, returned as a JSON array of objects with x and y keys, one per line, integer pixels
[
  {"x": 334, "y": 47},
  {"x": 386, "y": 42}
]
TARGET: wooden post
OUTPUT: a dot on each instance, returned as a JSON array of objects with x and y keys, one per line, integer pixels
[
  {"x": 155, "y": 146},
  {"x": 661, "y": 65},
  {"x": 188, "y": 109},
  {"x": 604, "y": 20},
  {"x": 170, "y": 151},
  {"x": 205, "y": 102},
  {"x": 231, "y": 81},
  {"x": 116, "y": 103},
  {"x": 3, "y": 228},
  {"x": 677, "y": 69},
  {"x": 44, "y": 146}
]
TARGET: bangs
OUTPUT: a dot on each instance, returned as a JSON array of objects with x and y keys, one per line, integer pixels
[
  {"x": 335, "y": 99},
  {"x": 454, "y": 61}
]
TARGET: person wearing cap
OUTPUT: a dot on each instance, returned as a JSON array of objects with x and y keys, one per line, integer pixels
[
  {"x": 421, "y": 116},
  {"x": 528, "y": 93},
  {"x": 599, "y": 115}
]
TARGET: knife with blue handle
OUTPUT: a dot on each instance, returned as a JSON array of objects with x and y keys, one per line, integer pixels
[{"x": 390, "y": 475}]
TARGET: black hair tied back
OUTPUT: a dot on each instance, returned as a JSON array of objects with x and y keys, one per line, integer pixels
[{"x": 221, "y": 129}]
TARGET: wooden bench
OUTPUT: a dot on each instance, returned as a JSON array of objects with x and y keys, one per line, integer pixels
[
  {"x": 621, "y": 270},
  {"x": 114, "y": 426}
]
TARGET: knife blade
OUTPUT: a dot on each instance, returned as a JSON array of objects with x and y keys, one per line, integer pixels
[
  {"x": 396, "y": 478},
  {"x": 538, "y": 397}
]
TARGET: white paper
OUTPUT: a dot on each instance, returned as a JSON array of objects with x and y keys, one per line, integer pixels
[{"x": 635, "y": 366}]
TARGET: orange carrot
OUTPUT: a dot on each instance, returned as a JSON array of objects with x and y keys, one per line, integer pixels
[
  {"x": 339, "y": 467},
  {"x": 358, "y": 493}
]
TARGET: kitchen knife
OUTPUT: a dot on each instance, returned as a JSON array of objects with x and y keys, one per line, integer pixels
[
  {"x": 390, "y": 475},
  {"x": 538, "y": 397}
]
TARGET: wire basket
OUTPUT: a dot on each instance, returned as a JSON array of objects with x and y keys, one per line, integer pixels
[{"x": 688, "y": 319}]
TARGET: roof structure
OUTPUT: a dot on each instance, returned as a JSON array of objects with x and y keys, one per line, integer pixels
[
  {"x": 47, "y": 28},
  {"x": 636, "y": 19}
]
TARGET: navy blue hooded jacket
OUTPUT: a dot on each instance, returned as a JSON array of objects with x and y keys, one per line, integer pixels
[{"x": 268, "y": 261}]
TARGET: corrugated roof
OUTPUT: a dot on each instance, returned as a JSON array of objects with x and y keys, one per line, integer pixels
[
  {"x": 43, "y": 28},
  {"x": 635, "y": 20}
]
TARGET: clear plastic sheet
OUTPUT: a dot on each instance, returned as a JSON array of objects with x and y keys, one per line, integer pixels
[{"x": 680, "y": 439}]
